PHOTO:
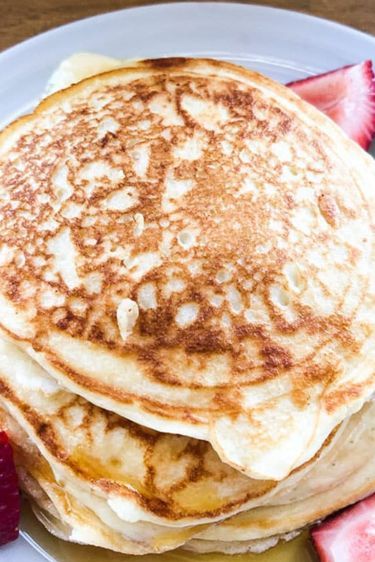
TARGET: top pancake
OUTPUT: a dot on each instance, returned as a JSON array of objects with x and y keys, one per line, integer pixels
[{"x": 188, "y": 244}]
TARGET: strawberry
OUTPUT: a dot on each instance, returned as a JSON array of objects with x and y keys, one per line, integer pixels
[
  {"x": 349, "y": 536},
  {"x": 9, "y": 493},
  {"x": 347, "y": 95}
]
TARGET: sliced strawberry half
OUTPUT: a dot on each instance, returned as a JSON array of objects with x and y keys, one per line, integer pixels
[
  {"x": 9, "y": 493},
  {"x": 349, "y": 536},
  {"x": 347, "y": 95}
]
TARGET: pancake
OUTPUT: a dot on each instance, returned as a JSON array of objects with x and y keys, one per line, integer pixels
[
  {"x": 266, "y": 522},
  {"x": 46, "y": 512},
  {"x": 72, "y": 519},
  {"x": 343, "y": 476},
  {"x": 344, "y": 473},
  {"x": 188, "y": 244},
  {"x": 256, "y": 546},
  {"x": 55, "y": 527},
  {"x": 146, "y": 476}
]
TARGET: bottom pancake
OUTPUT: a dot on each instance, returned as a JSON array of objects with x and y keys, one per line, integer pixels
[{"x": 343, "y": 479}]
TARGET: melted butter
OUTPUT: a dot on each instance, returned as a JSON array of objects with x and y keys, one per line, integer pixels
[
  {"x": 80, "y": 66},
  {"x": 203, "y": 495},
  {"x": 93, "y": 469},
  {"x": 200, "y": 498},
  {"x": 167, "y": 538}
]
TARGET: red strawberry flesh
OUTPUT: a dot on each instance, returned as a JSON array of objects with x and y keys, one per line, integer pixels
[
  {"x": 9, "y": 493},
  {"x": 349, "y": 536},
  {"x": 346, "y": 95}
]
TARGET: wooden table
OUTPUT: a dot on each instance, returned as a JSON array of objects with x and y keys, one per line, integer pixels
[{"x": 23, "y": 18}]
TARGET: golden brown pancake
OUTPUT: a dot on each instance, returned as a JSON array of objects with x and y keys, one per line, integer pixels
[{"x": 188, "y": 244}]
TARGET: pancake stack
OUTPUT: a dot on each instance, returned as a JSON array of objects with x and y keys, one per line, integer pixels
[{"x": 187, "y": 287}]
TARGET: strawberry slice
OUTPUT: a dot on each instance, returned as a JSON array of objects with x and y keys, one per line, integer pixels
[
  {"x": 349, "y": 536},
  {"x": 9, "y": 493},
  {"x": 347, "y": 95}
]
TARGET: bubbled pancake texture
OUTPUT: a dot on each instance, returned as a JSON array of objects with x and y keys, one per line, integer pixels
[{"x": 181, "y": 243}]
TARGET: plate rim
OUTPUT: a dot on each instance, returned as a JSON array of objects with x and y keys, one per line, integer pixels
[{"x": 82, "y": 22}]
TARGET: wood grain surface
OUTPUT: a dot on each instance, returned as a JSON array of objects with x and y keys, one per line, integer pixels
[{"x": 20, "y": 19}]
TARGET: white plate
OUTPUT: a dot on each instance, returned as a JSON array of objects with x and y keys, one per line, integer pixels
[{"x": 284, "y": 45}]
